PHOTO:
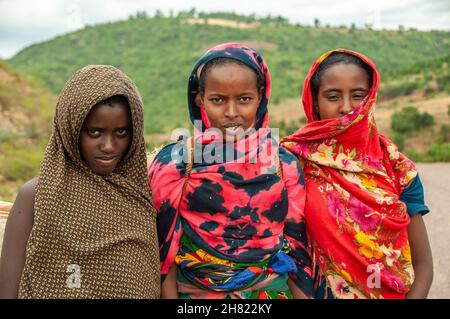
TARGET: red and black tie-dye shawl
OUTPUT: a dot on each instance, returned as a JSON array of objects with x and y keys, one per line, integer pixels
[{"x": 236, "y": 210}]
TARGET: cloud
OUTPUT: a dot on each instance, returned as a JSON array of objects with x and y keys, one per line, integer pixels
[{"x": 25, "y": 22}]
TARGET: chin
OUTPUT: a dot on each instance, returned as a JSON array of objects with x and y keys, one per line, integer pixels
[
  {"x": 234, "y": 137},
  {"x": 103, "y": 171}
]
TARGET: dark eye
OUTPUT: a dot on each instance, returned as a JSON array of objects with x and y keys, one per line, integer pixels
[
  {"x": 245, "y": 99},
  {"x": 122, "y": 132},
  {"x": 93, "y": 132},
  {"x": 332, "y": 97},
  {"x": 216, "y": 100},
  {"x": 359, "y": 96}
]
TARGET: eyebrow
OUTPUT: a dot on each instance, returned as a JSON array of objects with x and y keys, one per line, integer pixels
[
  {"x": 331, "y": 90},
  {"x": 94, "y": 127},
  {"x": 223, "y": 94},
  {"x": 360, "y": 89},
  {"x": 249, "y": 92},
  {"x": 339, "y": 90}
]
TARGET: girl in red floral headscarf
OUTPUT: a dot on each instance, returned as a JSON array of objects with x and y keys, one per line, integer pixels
[{"x": 364, "y": 201}]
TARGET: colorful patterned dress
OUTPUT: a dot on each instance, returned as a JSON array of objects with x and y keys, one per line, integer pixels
[{"x": 356, "y": 219}]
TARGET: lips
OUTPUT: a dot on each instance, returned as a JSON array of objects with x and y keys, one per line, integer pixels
[
  {"x": 232, "y": 128},
  {"x": 106, "y": 160},
  {"x": 232, "y": 125}
]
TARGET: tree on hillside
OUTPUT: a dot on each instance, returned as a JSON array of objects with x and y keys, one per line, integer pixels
[
  {"x": 316, "y": 23},
  {"x": 251, "y": 18},
  {"x": 281, "y": 20},
  {"x": 192, "y": 12},
  {"x": 139, "y": 15},
  {"x": 187, "y": 14},
  {"x": 159, "y": 14}
]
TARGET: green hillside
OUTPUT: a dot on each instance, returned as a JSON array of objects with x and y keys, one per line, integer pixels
[
  {"x": 159, "y": 52},
  {"x": 26, "y": 112}
]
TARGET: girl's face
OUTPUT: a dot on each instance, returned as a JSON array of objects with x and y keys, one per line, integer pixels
[
  {"x": 105, "y": 137},
  {"x": 342, "y": 88},
  {"x": 231, "y": 98}
]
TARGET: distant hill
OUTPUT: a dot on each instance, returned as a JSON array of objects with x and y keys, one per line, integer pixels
[{"x": 158, "y": 54}]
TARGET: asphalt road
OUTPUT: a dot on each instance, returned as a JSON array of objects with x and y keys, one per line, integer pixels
[{"x": 436, "y": 181}]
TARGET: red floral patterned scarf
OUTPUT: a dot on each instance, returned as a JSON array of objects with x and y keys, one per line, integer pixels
[{"x": 354, "y": 177}]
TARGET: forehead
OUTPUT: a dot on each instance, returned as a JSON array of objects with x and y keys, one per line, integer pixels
[
  {"x": 230, "y": 73},
  {"x": 343, "y": 73},
  {"x": 116, "y": 114}
]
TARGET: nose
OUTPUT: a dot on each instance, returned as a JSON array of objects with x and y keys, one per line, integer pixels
[
  {"x": 231, "y": 111},
  {"x": 346, "y": 106},
  {"x": 108, "y": 144}
]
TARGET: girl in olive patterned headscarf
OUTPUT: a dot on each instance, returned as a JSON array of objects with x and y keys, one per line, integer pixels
[{"x": 87, "y": 221}]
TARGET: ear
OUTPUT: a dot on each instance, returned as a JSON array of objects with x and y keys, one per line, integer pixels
[
  {"x": 199, "y": 99},
  {"x": 315, "y": 105},
  {"x": 316, "y": 109},
  {"x": 261, "y": 93}
]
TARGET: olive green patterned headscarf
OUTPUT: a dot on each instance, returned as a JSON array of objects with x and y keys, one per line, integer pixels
[{"x": 93, "y": 236}]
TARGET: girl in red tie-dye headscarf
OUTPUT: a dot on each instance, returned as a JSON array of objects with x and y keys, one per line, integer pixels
[
  {"x": 364, "y": 200},
  {"x": 230, "y": 224}
]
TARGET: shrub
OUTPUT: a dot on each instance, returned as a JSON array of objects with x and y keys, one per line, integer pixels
[
  {"x": 444, "y": 133},
  {"x": 410, "y": 120},
  {"x": 439, "y": 152}
]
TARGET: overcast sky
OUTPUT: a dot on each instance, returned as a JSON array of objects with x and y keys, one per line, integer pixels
[{"x": 24, "y": 22}]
